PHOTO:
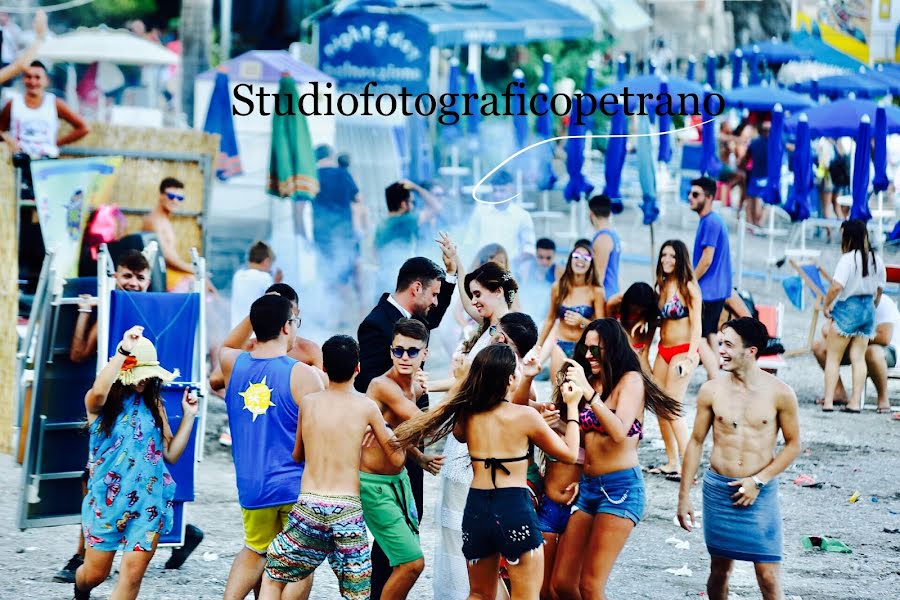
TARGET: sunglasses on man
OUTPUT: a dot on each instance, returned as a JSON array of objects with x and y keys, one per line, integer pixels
[
  {"x": 697, "y": 194},
  {"x": 399, "y": 351},
  {"x": 173, "y": 196}
]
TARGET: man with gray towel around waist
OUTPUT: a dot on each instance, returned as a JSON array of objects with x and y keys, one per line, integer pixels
[{"x": 745, "y": 409}]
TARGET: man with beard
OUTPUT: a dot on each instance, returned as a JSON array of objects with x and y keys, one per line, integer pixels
[
  {"x": 746, "y": 409},
  {"x": 423, "y": 292}
]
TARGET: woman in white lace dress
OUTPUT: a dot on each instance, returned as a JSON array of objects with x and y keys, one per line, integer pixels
[{"x": 487, "y": 294}]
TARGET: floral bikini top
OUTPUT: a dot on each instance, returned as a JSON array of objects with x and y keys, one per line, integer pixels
[
  {"x": 674, "y": 309},
  {"x": 589, "y": 422}
]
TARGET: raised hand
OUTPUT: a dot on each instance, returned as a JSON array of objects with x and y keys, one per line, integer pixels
[
  {"x": 131, "y": 337},
  {"x": 189, "y": 403}
]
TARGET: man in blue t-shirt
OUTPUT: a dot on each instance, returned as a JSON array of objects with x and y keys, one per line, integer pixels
[
  {"x": 712, "y": 267},
  {"x": 333, "y": 210},
  {"x": 757, "y": 158}
]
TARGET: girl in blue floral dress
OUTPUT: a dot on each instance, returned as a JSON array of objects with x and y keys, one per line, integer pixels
[{"x": 130, "y": 491}]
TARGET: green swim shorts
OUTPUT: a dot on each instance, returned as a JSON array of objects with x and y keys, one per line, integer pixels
[{"x": 390, "y": 513}]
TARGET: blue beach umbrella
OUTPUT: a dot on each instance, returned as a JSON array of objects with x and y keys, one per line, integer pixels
[
  {"x": 814, "y": 89},
  {"x": 646, "y": 171},
  {"x": 544, "y": 130},
  {"x": 615, "y": 158},
  {"x": 841, "y": 118},
  {"x": 220, "y": 120},
  {"x": 797, "y": 205},
  {"x": 621, "y": 68},
  {"x": 880, "y": 181},
  {"x": 840, "y": 86},
  {"x": 710, "y": 165},
  {"x": 711, "y": 69},
  {"x": 763, "y": 97},
  {"x": 737, "y": 60},
  {"x": 589, "y": 79},
  {"x": 860, "y": 187},
  {"x": 691, "y": 68},
  {"x": 519, "y": 108},
  {"x": 450, "y": 134},
  {"x": 753, "y": 65},
  {"x": 578, "y": 185},
  {"x": 775, "y": 152},
  {"x": 776, "y": 52},
  {"x": 665, "y": 125},
  {"x": 473, "y": 121},
  {"x": 649, "y": 84},
  {"x": 547, "y": 71}
]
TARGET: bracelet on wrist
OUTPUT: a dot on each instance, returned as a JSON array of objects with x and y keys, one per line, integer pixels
[
  {"x": 123, "y": 351},
  {"x": 85, "y": 310},
  {"x": 572, "y": 421}
]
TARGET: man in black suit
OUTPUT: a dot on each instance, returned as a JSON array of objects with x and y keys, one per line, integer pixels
[{"x": 423, "y": 292}]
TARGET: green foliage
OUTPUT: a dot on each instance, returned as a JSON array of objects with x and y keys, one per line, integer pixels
[{"x": 113, "y": 13}]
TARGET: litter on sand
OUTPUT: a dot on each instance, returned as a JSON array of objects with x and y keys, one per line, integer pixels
[
  {"x": 681, "y": 545},
  {"x": 826, "y": 544},
  {"x": 210, "y": 556},
  {"x": 804, "y": 480},
  {"x": 682, "y": 572},
  {"x": 854, "y": 497}
]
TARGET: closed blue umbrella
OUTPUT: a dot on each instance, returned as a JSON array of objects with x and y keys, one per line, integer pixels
[
  {"x": 621, "y": 70},
  {"x": 547, "y": 71},
  {"x": 651, "y": 67},
  {"x": 880, "y": 181},
  {"x": 754, "y": 66},
  {"x": 220, "y": 120},
  {"x": 473, "y": 122},
  {"x": 814, "y": 89},
  {"x": 691, "y": 68},
  {"x": 737, "y": 60},
  {"x": 578, "y": 185},
  {"x": 775, "y": 154},
  {"x": 649, "y": 84},
  {"x": 451, "y": 133},
  {"x": 646, "y": 172},
  {"x": 589, "y": 79},
  {"x": 711, "y": 69},
  {"x": 519, "y": 108},
  {"x": 544, "y": 129},
  {"x": 860, "y": 188},
  {"x": 710, "y": 165},
  {"x": 665, "y": 125},
  {"x": 797, "y": 205},
  {"x": 421, "y": 166},
  {"x": 615, "y": 158}
]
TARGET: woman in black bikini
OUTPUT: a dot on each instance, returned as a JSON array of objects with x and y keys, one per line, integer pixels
[
  {"x": 680, "y": 308},
  {"x": 610, "y": 500},
  {"x": 498, "y": 434}
]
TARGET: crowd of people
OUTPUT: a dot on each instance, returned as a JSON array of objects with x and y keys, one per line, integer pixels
[{"x": 537, "y": 496}]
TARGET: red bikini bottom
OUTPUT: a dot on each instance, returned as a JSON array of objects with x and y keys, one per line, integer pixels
[{"x": 667, "y": 353}]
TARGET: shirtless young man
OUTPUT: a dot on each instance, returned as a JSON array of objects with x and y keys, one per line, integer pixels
[
  {"x": 385, "y": 489},
  {"x": 327, "y": 520},
  {"x": 171, "y": 195},
  {"x": 746, "y": 410}
]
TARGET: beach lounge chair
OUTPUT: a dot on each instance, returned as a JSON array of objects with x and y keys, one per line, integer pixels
[
  {"x": 772, "y": 317},
  {"x": 817, "y": 281}
]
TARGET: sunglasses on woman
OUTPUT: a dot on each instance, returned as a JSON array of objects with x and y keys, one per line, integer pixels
[
  {"x": 399, "y": 351},
  {"x": 580, "y": 256},
  {"x": 595, "y": 350},
  {"x": 492, "y": 330}
]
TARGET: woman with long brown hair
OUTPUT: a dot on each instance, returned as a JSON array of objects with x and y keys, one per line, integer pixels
[
  {"x": 615, "y": 392},
  {"x": 680, "y": 332},
  {"x": 576, "y": 299},
  {"x": 130, "y": 492},
  {"x": 499, "y": 517}
]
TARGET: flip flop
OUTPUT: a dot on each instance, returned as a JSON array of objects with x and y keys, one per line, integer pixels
[
  {"x": 673, "y": 477},
  {"x": 660, "y": 471},
  {"x": 852, "y": 411},
  {"x": 883, "y": 410},
  {"x": 827, "y": 409}
]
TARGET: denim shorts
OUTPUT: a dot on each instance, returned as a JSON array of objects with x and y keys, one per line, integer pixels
[
  {"x": 500, "y": 521},
  {"x": 854, "y": 316},
  {"x": 553, "y": 516},
  {"x": 620, "y": 493}
]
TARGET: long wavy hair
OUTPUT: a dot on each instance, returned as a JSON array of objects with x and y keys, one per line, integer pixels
[
  {"x": 855, "y": 238},
  {"x": 639, "y": 304},
  {"x": 618, "y": 359},
  {"x": 683, "y": 272},
  {"x": 567, "y": 279},
  {"x": 115, "y": 403},
  {"x": 483, "y": 389},
  {"x": 492, "y": 277}
]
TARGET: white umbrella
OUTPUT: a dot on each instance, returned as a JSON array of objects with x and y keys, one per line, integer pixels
[{"x": 101, "y": 44}]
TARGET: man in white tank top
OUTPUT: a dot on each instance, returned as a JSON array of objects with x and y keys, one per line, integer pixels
[{"x": 30, "y": 123}]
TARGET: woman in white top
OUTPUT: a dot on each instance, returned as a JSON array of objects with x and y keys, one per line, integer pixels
[
  {"x": 850, "y": 304},
  {"x": 486, "y": 294}
]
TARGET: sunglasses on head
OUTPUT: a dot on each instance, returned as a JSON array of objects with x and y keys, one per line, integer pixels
[
  {"x": 173, "y": 196},
  {"x": 399, "y": 351}
]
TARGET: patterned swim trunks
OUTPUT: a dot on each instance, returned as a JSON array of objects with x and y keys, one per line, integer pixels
[{"x": 321, "y": 527}]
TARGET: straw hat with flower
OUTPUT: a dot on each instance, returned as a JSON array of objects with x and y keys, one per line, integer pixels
[{"x": 143, "y": 365}]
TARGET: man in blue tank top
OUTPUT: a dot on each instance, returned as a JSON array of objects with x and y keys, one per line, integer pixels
[
  {"x": 262, "y": 398},
  {"x": 605, "y": 245}
]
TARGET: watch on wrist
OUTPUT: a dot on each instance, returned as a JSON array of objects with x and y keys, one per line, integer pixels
[
  {"x": 123, "y": 351},
  {"x": 758, "y": 482}
]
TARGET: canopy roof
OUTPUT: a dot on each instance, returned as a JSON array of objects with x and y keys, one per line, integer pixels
[
  {"x": 267, "y": 66},
  {"x": 459, "y": 22},
  {"x": 101, "y": 44}
]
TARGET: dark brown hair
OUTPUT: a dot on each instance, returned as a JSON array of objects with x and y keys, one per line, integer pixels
[
  {"x": 567, "y": 280},
  {"x": 683, "y": 272},
  {"x": 115, "y": 403}
]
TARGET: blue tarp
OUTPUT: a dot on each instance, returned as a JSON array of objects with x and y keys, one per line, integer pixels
[{"x": 488, "y": 22}]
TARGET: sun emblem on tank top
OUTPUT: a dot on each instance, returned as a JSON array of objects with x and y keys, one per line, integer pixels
[{"x": 257, "y": 398}]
